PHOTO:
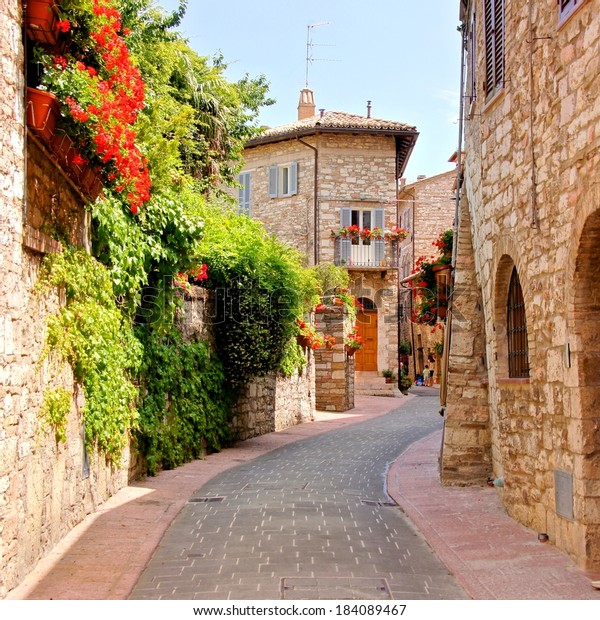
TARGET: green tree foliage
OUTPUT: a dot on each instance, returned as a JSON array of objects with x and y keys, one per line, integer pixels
[{"x": 261, "y": 288}]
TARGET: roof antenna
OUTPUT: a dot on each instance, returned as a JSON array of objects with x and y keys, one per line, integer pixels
[{"x": 309, "y": 48}]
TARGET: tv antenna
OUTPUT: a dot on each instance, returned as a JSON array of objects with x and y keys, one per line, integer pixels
[{"x": 310, "y": 45}]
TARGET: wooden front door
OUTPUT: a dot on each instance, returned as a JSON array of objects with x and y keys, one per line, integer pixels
[{"x": 366, "y": 358}]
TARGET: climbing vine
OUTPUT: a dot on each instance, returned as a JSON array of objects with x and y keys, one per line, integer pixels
[
  {"x": 185, "y": 400},
  {"x": 89, "y": 334}
]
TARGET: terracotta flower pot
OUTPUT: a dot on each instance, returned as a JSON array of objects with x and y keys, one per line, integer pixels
[
  {"x": 63, "y": 148},
  {"x": 350, "y": 351},
  {"x": 303, "y": 341},
  {"x": 40, "y": 21},
  {"x": 43, "y": 112},
  {"x": 91, "y": 183}
]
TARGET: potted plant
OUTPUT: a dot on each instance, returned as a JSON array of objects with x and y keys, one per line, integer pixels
[
  {"x": 405, "y": 348},
  {"x": 308, "y": 337},
  {"x": 353, "y": 342},
  {"x": 388, "y": 373},
  {"x": 405, "y": 383},
  {"x": 41, "y": 21},
  {"x": 101, "y": 92},
  {"x": 329, "y": 341}
]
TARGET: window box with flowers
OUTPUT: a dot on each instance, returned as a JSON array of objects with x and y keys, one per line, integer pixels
[
  {"x": 41, "y": 21},
  {"x": 100, "y": 91},
  {"x": 431, "y": 282}
]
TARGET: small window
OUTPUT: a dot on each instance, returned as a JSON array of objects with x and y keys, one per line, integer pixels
[
  {"x": 244, "y": 180},
  {"x": 566, "y": 7},
  {"x": 283, "y": 180},
  {"x": 518, "y": 350},
  {"x": 494, "y": 46}
]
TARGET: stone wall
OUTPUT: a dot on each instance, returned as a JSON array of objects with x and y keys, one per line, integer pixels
[
  {"x": 45, "y": 488},
  {"x": 266, "y": 404},
  {"x": 532, "y": 185},
  {"x": 427, "y": 209},
  {"x": 334, "y": 368}
]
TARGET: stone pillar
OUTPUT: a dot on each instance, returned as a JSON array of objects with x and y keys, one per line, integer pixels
[{"x": 334, "y": 369}]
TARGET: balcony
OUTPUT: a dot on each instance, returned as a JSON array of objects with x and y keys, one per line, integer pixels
[{"x": 366, "y": 255}]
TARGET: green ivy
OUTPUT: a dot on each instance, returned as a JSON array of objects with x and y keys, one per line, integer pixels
[
  {"x": 55, "y": 409},
  {"x": 90, "y": 334},
  {"x": 261, "y": 289},
  {"x": 185, "y": 407}
]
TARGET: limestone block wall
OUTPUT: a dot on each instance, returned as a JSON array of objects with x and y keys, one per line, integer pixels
[
  {"x": 531, "y": 180},
  {"x": 351, "y": 170},
  {"x": 273, "y": 402},
  {"x": 45, "y": 488}
]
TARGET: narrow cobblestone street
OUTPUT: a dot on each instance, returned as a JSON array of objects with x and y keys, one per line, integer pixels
[{"x": 311, "y": 520}]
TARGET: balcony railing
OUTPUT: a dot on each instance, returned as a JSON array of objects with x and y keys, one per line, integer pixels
[{"x": 359, "y": 254}]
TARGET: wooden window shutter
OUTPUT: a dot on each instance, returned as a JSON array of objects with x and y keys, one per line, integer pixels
[
  {"x": 273, "y": 181},
  {"x": 494, "y": 45},
  {"x": 345, "y": 244},
  {"x": 293, "y": 189},
  {"x": 244, "y": 193},
  {"x": 378, "y": 244}
]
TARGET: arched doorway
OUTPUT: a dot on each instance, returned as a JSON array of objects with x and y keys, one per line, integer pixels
[
  {"x": 366, "y": 321},
  {"x": 582, "y": 358}
]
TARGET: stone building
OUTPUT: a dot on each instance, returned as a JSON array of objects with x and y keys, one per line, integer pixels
[
  {"x": 522, "y": 401},
  {"x": 427, "y": 209},
  {"x": 327, "y": 171}
]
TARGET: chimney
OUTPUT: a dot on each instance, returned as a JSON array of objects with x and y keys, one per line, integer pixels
[
  {"x": 306, "y": 105},
  {"x": 368, "y": 109}
]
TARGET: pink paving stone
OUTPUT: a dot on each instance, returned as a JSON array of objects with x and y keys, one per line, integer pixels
[
  {"x": 491, "y": 555},
  {"x": 103, "y": 557}
]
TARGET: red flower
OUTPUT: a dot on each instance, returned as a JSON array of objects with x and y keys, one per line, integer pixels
[{"x": 64, "y": 25}]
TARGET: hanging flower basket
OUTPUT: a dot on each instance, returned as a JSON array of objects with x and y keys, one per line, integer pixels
[
  {"x": 43, "y": 112},
  {"x": 350, "y": 351},
  {"x": 41, "y": 21}
]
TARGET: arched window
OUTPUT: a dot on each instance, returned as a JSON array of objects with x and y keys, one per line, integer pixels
[
  {"x": 367, "y": 304},
  {"x": 518, "y": 352}
]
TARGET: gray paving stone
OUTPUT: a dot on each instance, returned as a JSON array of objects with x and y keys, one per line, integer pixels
[{"x": 314, "y": 511}]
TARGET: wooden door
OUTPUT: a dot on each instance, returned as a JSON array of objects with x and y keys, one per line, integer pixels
[{"x": 366, "y": 358}]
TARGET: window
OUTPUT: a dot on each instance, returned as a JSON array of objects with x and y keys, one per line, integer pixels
[
  {"x": 362, "y": 252},
  {"x": 566, "y": 7},
  {"x": 283, "y": 180},
  {"x": 244, "y": 193},
  {"x": 494, "y": 46},
  {"x": 518, "y": 352}
]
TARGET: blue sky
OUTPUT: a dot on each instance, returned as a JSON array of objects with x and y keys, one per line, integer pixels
[{"x": 403, "y": 56}]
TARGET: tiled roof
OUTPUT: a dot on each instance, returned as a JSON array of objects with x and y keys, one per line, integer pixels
[{"x": 331, "y": 121}]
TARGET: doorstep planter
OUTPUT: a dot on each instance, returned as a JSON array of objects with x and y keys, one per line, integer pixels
[
  {"x": 40, "y": 21},
  {"x": 43, "y": 112}
]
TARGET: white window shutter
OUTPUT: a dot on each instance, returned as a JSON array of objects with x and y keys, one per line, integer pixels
[
  {"x": 345, "y": 244},
  {"x": 244, "y": 193},
  {"x": 293, "y": 189},
  {"x": 378, "y": 244},
  {"x": 273, "y": 181}
]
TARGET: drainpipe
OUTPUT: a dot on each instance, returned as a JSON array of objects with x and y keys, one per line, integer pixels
[
  {"x": 315, "y": 200},
  {"x": 447, "y": 332}
]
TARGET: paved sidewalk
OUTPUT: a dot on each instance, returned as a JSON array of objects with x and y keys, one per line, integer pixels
[{"x": 491, "y": 556}]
